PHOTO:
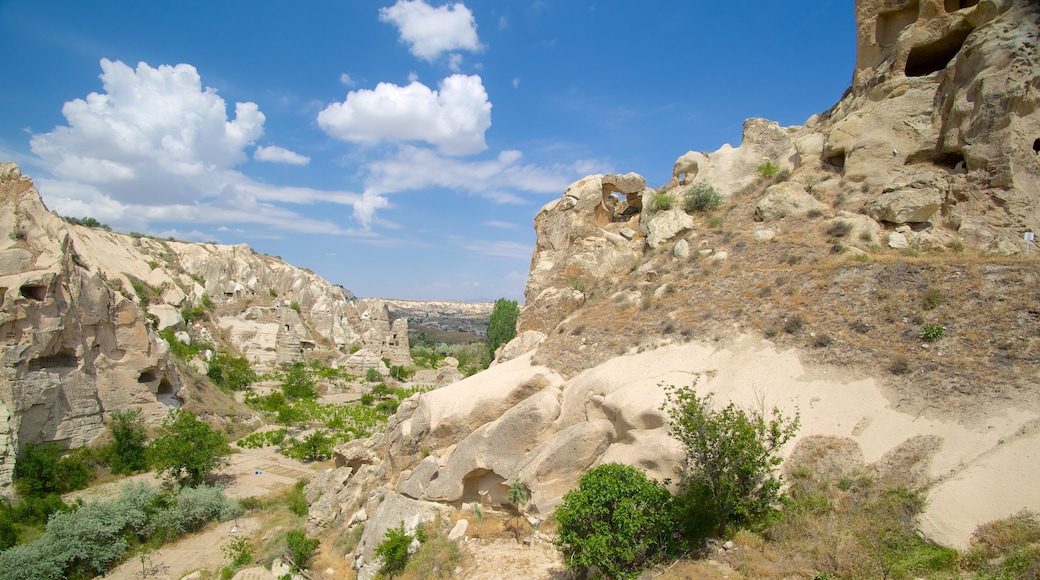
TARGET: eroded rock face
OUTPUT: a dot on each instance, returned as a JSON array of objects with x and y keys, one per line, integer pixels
[{"x": 73, "y": 348}]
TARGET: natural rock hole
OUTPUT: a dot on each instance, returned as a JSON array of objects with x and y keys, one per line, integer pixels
[
  {"x": 955, "y": 5},
  {"x": 1036, "y": 146},
  {"x": 929, "y": 58},
  {"x": 949, "y": 159},
  {"x": 38, "y": 293},
  {"x": 146, "y": 377},
  {"x": 890, "y": 24},
  {"x": 60, "y": 360},
  {"x": 480, "y": 486},
  {"x": 166, "y": 395},
  {"x": 837, "y": 160}
]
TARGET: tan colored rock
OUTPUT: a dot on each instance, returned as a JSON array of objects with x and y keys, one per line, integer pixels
[
  {"x": 914, "y": 202},
  {"x": 664, "y": 225},
  {"x": 784, "y": 199}
]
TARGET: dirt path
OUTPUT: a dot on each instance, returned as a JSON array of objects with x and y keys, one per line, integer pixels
[
  {"x": 505, "y": 559},
  {"x": 253, "y": 472}
]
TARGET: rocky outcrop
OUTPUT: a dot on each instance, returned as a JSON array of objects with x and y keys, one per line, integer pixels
[
  {"x": 73, "y": 346},
  {"x": 80, "y": 307}
]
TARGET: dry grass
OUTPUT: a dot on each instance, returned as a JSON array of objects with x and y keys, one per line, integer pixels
[{"x": 871, "y": 313}]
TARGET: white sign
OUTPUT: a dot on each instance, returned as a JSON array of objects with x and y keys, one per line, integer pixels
[{"x": 1030, "y": 236}]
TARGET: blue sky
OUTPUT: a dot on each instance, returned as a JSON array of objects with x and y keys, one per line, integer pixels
[{"x": 401, "y": 149}]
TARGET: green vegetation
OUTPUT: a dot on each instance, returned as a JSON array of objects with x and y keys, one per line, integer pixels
[
  {"x": 298, "y": 383},
  {"x": 187, "y": 449},
  {"x": 617, "y": 520},
  {"x": 393, "y": 550},
  {"x": 767, "y": 169},
  {"x": 41, "y": 470},
  {"x": 93, "y": 539},
  {"x": 199, "y": 311},
  {"x": 182, "y": 350},
  {"x": 296, "y": 501},
  {"x": 301, "y": 548},
  {"x": 517, "y": 495},
  {"x": 701, "y": 197},
  {"x": 129, "y": 436},
  {"x": 230, "y": 372},
  {"x": 87, "y": 222},
  {"x": 727, "y": 475},
  {"x": 295, "y": 306},
  {"x": 932, "y": 298},
  {"x": 661, "y": 201},
  {"x": 502, "y": 325},
  {"x": 932, "y": 333}
]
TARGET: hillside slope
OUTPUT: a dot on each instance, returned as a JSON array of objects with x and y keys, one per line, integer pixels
[{"x": 866, "y": 269}]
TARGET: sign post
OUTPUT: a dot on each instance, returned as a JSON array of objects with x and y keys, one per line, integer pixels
[{"x": 1029, "y": 236}]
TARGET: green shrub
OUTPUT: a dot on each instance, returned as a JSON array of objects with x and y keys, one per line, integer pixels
[
  {"x": 727, "y": 474},
  {"x": 701, "y": 196},
  {"x": 298, "y": 383},
  {"x": 932, "y": 298},
  {"x": 617, "y": 520},
  {"x": 296, "y": 501},
  {"x": 315, "y": 447},
  {"x": 932, "y": 333},
  {"x": 767, "y": 169},
  {"x": 301, "y": 548},
  {"x": 294, "y": 305},
  {"x": 238, "y": 551},
  {"x": 662, "y": 201},
  {"x": 190, "y": 509},
  {"x": 230, "y": 372},
  {"x": 129, "y": 435},
  {"x": 372, "y": 375},
  {"x": 41, "y": 470},
  {"x": 393, "y": 550}
]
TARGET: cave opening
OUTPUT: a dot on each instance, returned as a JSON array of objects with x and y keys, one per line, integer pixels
[
  {"x": 955, "y": 5},
  {"x": 34, "y": 292},
  {"x": 837, "y": 160},
  {"x": 166, "y": 395},
  {"x": 929, "y": 58}
]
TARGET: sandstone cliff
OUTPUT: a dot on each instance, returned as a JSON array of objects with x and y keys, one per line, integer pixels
[
  {"x": 81, "y": 307},
  {"x": 807, "y": 290}
]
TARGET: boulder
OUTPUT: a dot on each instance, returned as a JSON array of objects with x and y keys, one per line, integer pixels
[
  {"x": 785, "y": 199},
  {"x": 914, "y": 202},
  {"x": 665, "y": 225}
]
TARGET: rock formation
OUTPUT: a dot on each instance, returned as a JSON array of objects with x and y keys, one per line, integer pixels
[
  {"x": 931, "y": 148},
  {"x": 81, "y": 307}
]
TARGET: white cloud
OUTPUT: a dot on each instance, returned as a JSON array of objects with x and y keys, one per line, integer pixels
[
  {"x": 154, "y": 136},
  {"x": 346, "y": 79},
  {"x": 430, "y": 31},
  {"x": 365, "y": 208},
  {"x": 501, "y": 225},
  {"x": 413, "y": 77},
  {"x": 504, "y": 179},
  {"x": 454, "y": 118},
  {"x": 157, "y": 146},
  {"x": 455, "y": 62},
  {"x": 499, "y": 249},
  {"x": 516, "y": 82},
  {"x": 275, "y": 154}
]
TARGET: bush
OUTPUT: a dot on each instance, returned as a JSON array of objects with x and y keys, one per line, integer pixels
[
  {"x": 932, "y": 333},
  {"x": 230, "y": 372},
  {"x": 315, "y": 447},
  {"x": 187, "y": 449},
  {"x": 730, "y": 456},
  {"x": 191, "y": 508},
  {"x": 501, "y": 326},
  {"x": 701, "y": 196},
  {"x": 839, "y": 229},
  {"x": 298, "y": 383},
  {"x": 128, "y": 441},
  {"x": 296, "y": 501},
  {"x": 301, "y": 548},
  {"x": 663, "y": 201},
  {"x": 41, "y": 470},
  {"x": 393, "y": 550},
  {"x": 617, "y": 520},
  {"x": 767, "y": 169},
  {"x": 372, "y": 375}
]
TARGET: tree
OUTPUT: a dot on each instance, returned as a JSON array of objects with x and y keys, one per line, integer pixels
[
  {"x": 298, "y": 383},
  {"x": 129, "y": 435},
  {"x": 618, "y": 520},
  {"x": 187, "y": 449},
  {"x": 230, "y": 372},
  {"x": 517, "y": 495},
  {"x": 502, "y": 325},
  {"x": 730, "y": 455}
]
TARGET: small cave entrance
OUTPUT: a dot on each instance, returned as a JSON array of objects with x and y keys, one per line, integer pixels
[
  {"x": 64, "y": 359},
  {"x": 952, "y": 160},
  {"x": 836, "y": 160},
  {"x": 166, "y": 395},
  {"x": 33, "y": 292},
  {"x": 929, "y": 58},
  {"x": 1036, "y": 146},
  {"x": 146, "y": 377},
  {"x": 955, "y": 5},
  {"x": 483, "y": 486},
  {"x": 891, "y": 24}
]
